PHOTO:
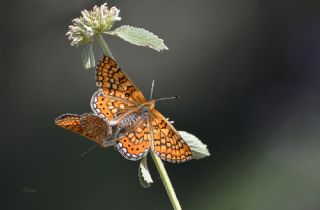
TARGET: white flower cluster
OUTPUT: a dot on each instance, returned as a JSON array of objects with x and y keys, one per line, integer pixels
[{"x": 98, "y": 20}]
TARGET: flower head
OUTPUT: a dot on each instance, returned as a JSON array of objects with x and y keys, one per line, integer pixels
[{"x": 98, "y": 20}]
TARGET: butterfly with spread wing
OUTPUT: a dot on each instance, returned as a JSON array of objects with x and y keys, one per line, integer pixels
[{"x": 135, "y": 126}]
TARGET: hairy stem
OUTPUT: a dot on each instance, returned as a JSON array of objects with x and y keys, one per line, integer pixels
[
  {"x": 166, "y": 181},
  {"x": 104, "y": 46}
]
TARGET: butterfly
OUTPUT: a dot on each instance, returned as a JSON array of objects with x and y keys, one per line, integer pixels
[{"x": 134, "y": 125}]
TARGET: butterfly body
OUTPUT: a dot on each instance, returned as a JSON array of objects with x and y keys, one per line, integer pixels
[{"x": 134, "y": 116}]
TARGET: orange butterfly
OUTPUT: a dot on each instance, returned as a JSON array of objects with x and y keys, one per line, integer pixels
[{"x": 135, "y": 125}]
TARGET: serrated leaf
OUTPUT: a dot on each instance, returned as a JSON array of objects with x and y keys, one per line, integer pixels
[
  {"x": 144, "y": 174},
  {"x": 88, "y": 59},
  {"x": 199, "y": 149},
  {"x": 140, "y": 37}
]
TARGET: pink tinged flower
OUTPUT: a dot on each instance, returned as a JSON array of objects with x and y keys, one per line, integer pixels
[{"x": 92, "y": 22}]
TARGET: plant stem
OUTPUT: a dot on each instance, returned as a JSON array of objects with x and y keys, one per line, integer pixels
[
  {"x": 104, "y": 46},
  {"x": 162, "y": 171},
  {"x": 166, "y": 181}
]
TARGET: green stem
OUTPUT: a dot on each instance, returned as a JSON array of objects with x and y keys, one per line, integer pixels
[
  {"x": 104, "y": 46},
  {"x": 166, "y": 182},
  {"x": 162, "y": 171}
]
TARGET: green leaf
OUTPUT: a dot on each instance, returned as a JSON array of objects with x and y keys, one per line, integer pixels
[
  {"x": 88, "y": 60},
  {"x": 144, "y": 174},
  {"x": 140, "y": 37},
  {"x": 199, "y": 149}
]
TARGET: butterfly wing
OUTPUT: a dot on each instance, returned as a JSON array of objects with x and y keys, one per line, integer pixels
[
  {"x": 109, "y": 107},
  {"x": 115, "y": 82},
  {"x": 87, "y": 125},
  {"x": 117, "y": 94},
  {"x": 135, "y": 144},
  {"x": 167, "y": 142}
]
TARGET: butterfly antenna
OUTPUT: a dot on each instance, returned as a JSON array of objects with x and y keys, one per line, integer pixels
[
  {"x": 174, "y": 97},
  {"x": 152, "y": 85},
  {"x": 87, "y": 151}
]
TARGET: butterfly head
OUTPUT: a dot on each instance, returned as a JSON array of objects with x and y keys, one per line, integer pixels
[{"x": 150, "y": 104}]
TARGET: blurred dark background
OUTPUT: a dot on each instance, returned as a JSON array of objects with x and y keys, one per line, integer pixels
[{"x": 248, "y": 76}]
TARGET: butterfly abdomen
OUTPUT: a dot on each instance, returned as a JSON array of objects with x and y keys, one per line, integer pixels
[
  {"x": 127, "y": 124},
  {"x": 129, "y": 120}
]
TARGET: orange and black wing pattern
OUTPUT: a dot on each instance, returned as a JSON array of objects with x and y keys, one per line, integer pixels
[
  {"x": 109, "y": 107},
  {"x": 135, "y": 144},
  {"x": 117, "y": 93},
  {"x": 115, "y": 82},
  {"x": 87, "y": 125},
  {"x": 167, "y": 142}
]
